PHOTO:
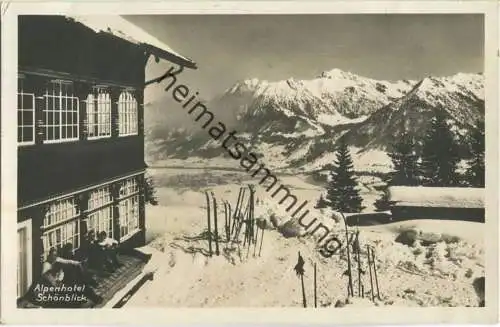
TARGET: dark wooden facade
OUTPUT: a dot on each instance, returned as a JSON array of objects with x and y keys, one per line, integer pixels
[
  {"x": 55, "y": 49},
  {"x": 441, "y": 213},
  {"x": 55, "y": 43},
  {"x": 440, "y": 203}
]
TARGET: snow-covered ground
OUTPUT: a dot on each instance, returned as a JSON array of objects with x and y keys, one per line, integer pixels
[{"x": 438, "y": 270}]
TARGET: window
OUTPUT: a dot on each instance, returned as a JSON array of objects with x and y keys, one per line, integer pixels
[
  {"x": 129, "y": 216},
  {"x": 127, "y": 114},
  {"x": 61, "y": 113},
  {"x": 129, "y": 208},
  {"x": 99, "y": 114},
  {"x": 61, "y": 225},
  {"x": 25, "y": 116},
  {"x": 101, "y": 211},
  {"x": 128, "y": 187}
]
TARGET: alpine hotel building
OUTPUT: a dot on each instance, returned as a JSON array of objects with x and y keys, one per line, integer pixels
[{"x": 80, "y": 133}]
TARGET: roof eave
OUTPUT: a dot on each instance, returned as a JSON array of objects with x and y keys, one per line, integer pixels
[
  {"x": 160, "y": 53},
  {"x": 138, "y": 41}
]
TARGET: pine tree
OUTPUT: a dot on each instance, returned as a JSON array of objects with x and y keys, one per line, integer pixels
[
  {"x": 150, "y": 191},
  {"x": 440, "y": 155},
  {"x": 405, "y": 162},
  {"x": 383, "y": 203},
  {"x": 476, "y": 172},
  {"x": 342, "y": 194},
  {"x": 322, "y": 203}
]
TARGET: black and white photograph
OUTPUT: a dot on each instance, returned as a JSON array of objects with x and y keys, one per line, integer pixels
[{"x": 324, "y": 161}]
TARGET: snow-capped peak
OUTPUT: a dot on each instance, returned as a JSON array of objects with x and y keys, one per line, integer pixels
[
  {"x": 337, "y": 73},
  {"x": 336, "y": 96},
  {"x": 247, "y": 85},
  {"x": 438, "y": 90}
]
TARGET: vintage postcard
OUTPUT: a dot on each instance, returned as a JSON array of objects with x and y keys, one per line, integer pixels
[{"x": 250, "y": 162}]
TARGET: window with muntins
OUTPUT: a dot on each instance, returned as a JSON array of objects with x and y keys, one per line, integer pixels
[
  {"x": 127, "y": 114},
  {"x": 25, "y": 116},
  {"x": 129, "y": 208},
  {"x": 100, "y": 207},
  {"x": 128, "y": 187},
  {"x": 99, "y": 114},
  {"x": 129, "y": 216},
  {"x": 61, "y": 225},
  {"x": 61, "y": 113}
]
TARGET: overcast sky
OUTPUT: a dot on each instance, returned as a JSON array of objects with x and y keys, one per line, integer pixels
[{"x": 228, "y": 48}]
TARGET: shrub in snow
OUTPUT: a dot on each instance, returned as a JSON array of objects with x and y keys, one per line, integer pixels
[
  {"x": 479, "y": 287},
  {"x": 291, "y": 229},
  {"x": 150, "y": 191},
  {"x": 428, "y": 238},
  {"x": 407, "y": 237},
  {"x": 274, "y": 220},
  {"x": 418, "y": 251},
  {"x": 450, "y": 238},
  {"x": 262, "y": 223}
]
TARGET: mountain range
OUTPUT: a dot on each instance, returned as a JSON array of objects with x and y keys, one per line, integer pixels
[{"x": 296, "y": 123}]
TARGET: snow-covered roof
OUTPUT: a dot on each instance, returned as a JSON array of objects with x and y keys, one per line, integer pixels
[
  {"x": 443, "y": 197},
  {"x": 119, "y": 27}
]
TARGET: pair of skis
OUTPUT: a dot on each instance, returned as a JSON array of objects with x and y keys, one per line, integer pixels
[
  {"x": 212, "y": 204},
  {"x": 246, "y": 218},
  {"x": 371, "y": 265},
  {"x": 243, "y": 216}
]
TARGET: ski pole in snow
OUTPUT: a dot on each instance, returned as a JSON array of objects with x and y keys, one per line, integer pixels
[
  {"x": 370, "y": 267},
  {"x": 243, "y": 193},
  {"x": 299, "y": 269},
  {"x": 229, "y": 221},
  {"x": 255, "y": 243},
  {"x": 244, "y": 220},
  {"x": 358, "y": 258},
  {"x": 262, "y": 236},
  {"x": 236, "y": 210},
  {"x": 252, "y": 215},
  {"x": 249, "y": 225},
  {"x": 235, "y": 215},
  {"x": 239, "y": 226},
  {"x": 216, "y": 232},
  {"x": 315, "y": 288},
  {"x": 375, "y": 274},
  {"x": 209, "y": 225},
  {"x": 349, "y": 270},
  {"x": 226, "y": 222}
]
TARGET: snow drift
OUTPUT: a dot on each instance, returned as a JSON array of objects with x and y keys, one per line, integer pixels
[{"x": 437, "y": 197}]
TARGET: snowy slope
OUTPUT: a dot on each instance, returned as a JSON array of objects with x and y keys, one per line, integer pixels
[{"x": 439, "y": 274}]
